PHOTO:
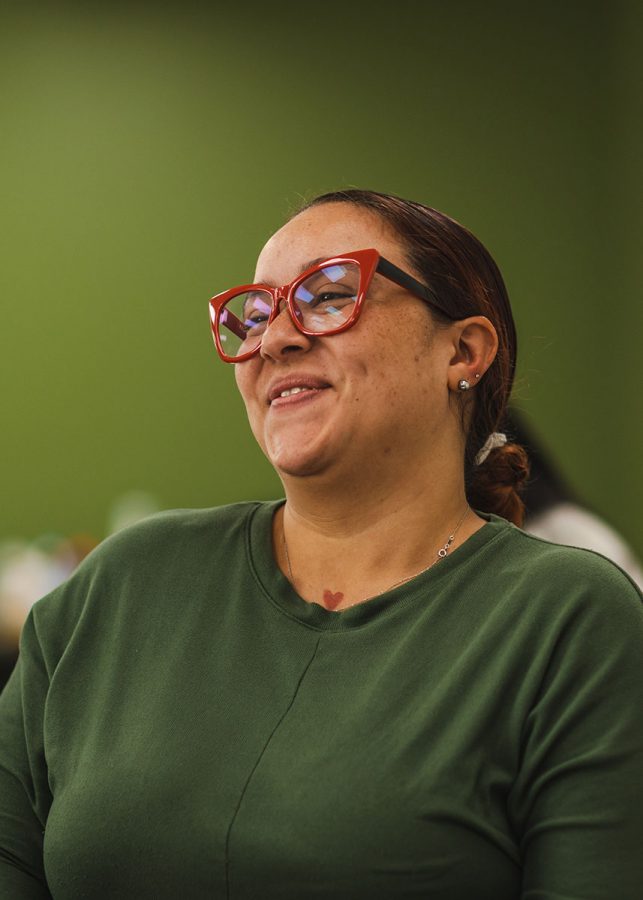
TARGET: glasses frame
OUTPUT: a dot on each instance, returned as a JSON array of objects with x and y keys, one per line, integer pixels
[{"x": 369, "y": 262}]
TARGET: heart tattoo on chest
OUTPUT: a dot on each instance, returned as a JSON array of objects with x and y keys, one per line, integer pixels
[{"x": 331, "y": 600}]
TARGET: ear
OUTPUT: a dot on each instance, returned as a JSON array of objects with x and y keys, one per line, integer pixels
[{"x": 475, "y": 344}]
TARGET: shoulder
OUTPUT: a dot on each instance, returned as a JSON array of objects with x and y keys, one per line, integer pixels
[
  {"x": 171, "y": 534},
  {"x": 560, "y": 613},
  {"x": 169, "y": 552},
  {"x": 554, "y": 581},
  {"x": 174, "y": 522},
  {"x": 571, "y": 524}
]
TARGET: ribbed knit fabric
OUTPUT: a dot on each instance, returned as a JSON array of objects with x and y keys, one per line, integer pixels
[{"x": 182, "y": 725}]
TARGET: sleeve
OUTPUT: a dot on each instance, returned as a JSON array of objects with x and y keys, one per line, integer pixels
[
  {"x": 578, "y": 800},
  {"x": 24, "y": 792}
]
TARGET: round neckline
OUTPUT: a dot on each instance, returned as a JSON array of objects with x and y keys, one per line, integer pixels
[{"x": 281, "y": 594}]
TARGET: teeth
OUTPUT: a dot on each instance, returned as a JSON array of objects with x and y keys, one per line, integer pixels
[{"x": 295, "y": 390}]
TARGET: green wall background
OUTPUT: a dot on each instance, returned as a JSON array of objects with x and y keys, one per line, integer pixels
[{"x": 147, "y": 153}]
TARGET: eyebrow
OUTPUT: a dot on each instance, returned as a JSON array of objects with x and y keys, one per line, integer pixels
[
  {"x": 312, "y": 262},
  {"x": 307, "y": 265}
]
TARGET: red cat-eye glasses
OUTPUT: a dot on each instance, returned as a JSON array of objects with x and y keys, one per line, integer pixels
[{"x": 325, "y": 299}]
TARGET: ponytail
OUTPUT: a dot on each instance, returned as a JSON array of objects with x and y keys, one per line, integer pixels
[{"x": 496, "y": 483}]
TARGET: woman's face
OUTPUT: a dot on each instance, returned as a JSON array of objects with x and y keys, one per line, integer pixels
[{"x": 375, "y": 392}]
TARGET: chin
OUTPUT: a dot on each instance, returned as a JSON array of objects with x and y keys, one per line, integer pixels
[
  {"x": 296, "y": 455},
  {"x": 296, "y": 463},
  {"x": 299, "y": 467}
]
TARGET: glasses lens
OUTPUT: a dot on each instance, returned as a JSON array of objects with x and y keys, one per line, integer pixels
[
  {"x": 243, "y": 320},
  {"x": 326, "y": 299}
]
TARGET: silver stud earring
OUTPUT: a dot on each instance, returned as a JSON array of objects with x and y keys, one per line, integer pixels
[{"x": 463, "y": 385}]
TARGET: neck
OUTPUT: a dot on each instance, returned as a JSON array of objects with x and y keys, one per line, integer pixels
[{"x": 394, "y": 531}]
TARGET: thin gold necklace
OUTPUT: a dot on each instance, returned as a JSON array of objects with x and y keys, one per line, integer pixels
[{"x": 442, "y": 552}]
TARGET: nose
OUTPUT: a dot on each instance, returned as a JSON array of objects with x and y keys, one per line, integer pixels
[{"x": 282, "y": 336}]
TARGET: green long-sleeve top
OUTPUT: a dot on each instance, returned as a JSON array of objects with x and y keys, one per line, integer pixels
[{"x": 182, "y": 724}]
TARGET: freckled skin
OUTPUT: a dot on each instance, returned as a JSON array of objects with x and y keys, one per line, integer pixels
[{"x": 380, "y": 371}]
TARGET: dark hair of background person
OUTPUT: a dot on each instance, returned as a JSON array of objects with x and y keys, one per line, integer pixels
[
  {"x": 546, "y": 486},
  {"x": 8, "y": 657},
  {"x": 456, "y": 265}
]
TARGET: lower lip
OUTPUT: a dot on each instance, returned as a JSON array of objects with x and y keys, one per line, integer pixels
[{"x": 298, "y": 399}]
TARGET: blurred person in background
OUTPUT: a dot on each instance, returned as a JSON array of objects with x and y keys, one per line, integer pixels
[
  {"x": 377, "y": 688},
  {"x": 555, "y": 512},
  {"x": 30, "y": 569}
]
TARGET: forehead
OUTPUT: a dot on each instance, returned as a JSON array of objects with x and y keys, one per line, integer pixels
[{"x": 321, "y": 232}]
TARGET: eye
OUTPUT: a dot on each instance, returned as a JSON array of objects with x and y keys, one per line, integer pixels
[
  {"x": 256, "y": 312},
  {"x": 255, "y": 318},
  {"x": 333, "y": 297},
  {"x": 324, "y": 293}
]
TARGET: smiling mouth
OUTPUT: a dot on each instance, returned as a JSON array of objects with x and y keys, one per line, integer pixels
[
  {"x": 296, "y": 390},
  {"x": 296, "y": 394},
  {"x": 302, "y": 387}
]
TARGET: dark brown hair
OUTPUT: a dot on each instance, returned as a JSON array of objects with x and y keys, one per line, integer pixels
[{"x": 456, "y": 265}]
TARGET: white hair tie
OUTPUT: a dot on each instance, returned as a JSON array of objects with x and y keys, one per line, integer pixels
[{"x": 495, "y": 439}]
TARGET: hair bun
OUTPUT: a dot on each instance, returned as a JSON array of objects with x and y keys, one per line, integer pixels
[
  {"x": 496, "y": 483},
  {"x": 510, "y": 464}
]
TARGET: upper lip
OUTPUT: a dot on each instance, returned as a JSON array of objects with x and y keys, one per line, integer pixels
[{"x": 292, "y": 381}]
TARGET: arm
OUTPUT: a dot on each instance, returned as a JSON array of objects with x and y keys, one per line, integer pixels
[
  {"x": 24, "y": 790},
  {"x": 578, "y": 800}
]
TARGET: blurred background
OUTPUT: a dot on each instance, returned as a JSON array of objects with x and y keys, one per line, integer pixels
[{"x": 147, "y": 152}]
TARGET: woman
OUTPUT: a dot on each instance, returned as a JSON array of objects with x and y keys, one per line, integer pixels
[{"x": 377, "y": 689}]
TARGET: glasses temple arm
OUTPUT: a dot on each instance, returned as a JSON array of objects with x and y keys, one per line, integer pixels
[
  {"x": 233, "y": 324},
  {"x": 399, "y": 276}
]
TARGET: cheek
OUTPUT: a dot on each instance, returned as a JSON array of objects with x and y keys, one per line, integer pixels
[
  {"x": 246, "y": 382},
  {"x": 239, "y": 379},
  {"x": 247, "y": 387},
  {"x": 412, "y": 369}
]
